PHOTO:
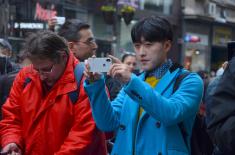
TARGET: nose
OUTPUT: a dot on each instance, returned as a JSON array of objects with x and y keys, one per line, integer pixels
[
  {"x": 94, "y": 48},
  {"x": 94, "y": 45},
  {"x": 132, "y": 68},
  {"x": 142, "y": 50}
]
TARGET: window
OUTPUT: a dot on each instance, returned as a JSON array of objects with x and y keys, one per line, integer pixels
[{"x": 163, "y": 6}]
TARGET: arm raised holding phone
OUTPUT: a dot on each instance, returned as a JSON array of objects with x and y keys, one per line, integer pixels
[{"x": 94, "y": 66}]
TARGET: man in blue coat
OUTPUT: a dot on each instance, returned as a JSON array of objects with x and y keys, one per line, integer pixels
[{"x": 146, "y": 113}]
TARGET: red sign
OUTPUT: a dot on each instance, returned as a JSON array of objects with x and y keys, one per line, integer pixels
[{"x": 44, "y": 14}]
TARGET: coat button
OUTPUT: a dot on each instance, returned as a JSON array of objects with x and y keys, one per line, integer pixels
[
  {"x": 158, "y": 124},
  {"x": 122, "y": 127},
  {"x": 159, "y": 153}
]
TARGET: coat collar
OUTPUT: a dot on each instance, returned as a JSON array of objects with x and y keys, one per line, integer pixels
[
  {"x": 162, "y": 85},
  {"x": 166, "y": 79}
]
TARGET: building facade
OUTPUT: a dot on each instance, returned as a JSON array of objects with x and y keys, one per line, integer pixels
[
  {"x": 207, "y": 26},
  {"x": 25, "y": 16}
]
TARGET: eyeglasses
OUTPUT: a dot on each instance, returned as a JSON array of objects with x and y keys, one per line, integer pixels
[
  {"x": 45, "y": 71},
  {"x": 89, "y": 42}
]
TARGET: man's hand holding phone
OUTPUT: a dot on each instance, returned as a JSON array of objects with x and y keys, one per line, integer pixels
[
  {"x": 112, "y": 65},
  {"x": 11, "y": 149},
  {"x": 119, "y": 70},
  {"x": 89, "y": 72}
]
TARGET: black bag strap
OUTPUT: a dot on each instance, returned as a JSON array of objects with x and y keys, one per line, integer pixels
[
  {"x": 181, "y": 125},
  {"x": 179, "y": 79}
]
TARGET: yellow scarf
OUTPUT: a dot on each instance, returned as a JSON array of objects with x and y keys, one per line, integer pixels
[{"x": 152, "y": 81}]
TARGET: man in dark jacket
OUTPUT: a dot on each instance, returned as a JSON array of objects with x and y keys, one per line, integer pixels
[{"x": 221, "y": 122}]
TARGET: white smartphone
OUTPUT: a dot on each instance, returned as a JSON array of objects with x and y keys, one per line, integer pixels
[
  {"x": 60, "y": 20},
  {"x": 100, "y": 65}
]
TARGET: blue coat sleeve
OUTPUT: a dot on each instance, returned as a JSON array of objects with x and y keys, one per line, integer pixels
[
  {"x": 171, "y": 110},
  {"x": 105, "y": 113}
]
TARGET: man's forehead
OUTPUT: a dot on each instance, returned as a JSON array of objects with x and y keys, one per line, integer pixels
[{"x": 41, "y": 62}]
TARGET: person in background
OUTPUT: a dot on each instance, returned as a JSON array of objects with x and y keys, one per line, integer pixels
[
  {"x": 6, "y": 80},
  {"x": 221, "y": 108},
  {"x": 6, "y": 65},
  {"x": 80, "y": 38},
  {"x": 82, "y": 43},
  {"x": 131, "y": 60},
  {"x": 42, "y": 115},
  {"x": 146, "y": 112},
  {"x": 211, "y": 89}
]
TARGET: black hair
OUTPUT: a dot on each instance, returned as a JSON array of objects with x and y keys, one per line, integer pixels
[
  {"x": 45, "y": 44},
  {"x": 152, "y": 29},
  {"x": 127, "y": 54},
  {"x": 70, "y": 29}
]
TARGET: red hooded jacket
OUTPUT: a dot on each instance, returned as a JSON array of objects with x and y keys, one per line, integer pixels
[{"x": 50, "y": 125}]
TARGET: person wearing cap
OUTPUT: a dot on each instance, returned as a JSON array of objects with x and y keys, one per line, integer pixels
[{"x": 6, "y": 65}]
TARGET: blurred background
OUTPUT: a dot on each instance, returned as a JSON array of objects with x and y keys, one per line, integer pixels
[{"x": 202, "y": 28}]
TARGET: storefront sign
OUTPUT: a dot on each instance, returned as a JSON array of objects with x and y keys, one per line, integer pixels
[
  {"x": 196, "y": 38},
  {"x": 44, "y": 14},
  {"x": 221, "y": 35},
  {"x": 28, "y": 25},
  {"x": 192, "y": 38}
]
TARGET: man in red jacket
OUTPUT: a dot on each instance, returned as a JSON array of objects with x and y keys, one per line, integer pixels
[{"x": 39, "y": 117}]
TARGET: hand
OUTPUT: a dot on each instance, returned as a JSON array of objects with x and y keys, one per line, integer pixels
[
  {"x": 92, "y": 77},
  {"x": 119, "y": 70},
  {"x": 51, "y": 23},
  {"x": 11, "y": 149}
]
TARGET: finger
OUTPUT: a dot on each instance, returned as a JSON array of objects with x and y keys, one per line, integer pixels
[
  {"x": 86, "y": 74},
  {"x": 13, "y": 153},
  {"x": 111, "y": 70},
  {"x": 114, "y": 59},
  {"x": 87, "y": 66},
  {"x": 6, "y": 149}
]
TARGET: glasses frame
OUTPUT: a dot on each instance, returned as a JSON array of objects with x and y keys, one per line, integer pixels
[
  {"x": 39, "y": 71},
  {"x": 89, "y": 43}
]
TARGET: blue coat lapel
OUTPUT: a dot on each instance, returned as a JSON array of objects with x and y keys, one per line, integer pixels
[
  {"x": 162, "y": 85},
  {"x": 166, "y": 80}
]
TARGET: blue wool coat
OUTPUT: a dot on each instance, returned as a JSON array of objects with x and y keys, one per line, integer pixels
[{"x": 157, "y": 131}]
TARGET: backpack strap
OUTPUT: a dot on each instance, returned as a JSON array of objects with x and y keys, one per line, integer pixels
[
  {"x": 78, "y": 73},
  {"x": 178, "y": 80}
]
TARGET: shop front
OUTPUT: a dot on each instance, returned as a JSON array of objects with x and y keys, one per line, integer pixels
[{"x": 196, "y": 47}]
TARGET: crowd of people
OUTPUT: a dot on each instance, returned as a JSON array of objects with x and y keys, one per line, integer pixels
[{"x": 52, "y": 104}]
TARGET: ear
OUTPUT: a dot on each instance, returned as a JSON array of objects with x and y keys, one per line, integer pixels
[
  {"x": 167, "y": 46},
  {"x": 71, "y": 46},
  {"x": 64, "y": 55}
]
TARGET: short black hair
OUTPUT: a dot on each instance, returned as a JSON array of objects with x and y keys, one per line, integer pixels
[
  {"x": 152, "y": 29},
  {"x": 70, "y": 29},
  {"x": 45, "y": 44}
]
